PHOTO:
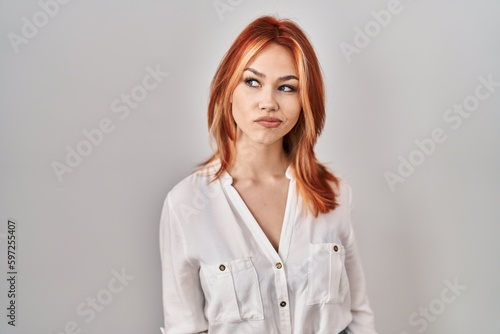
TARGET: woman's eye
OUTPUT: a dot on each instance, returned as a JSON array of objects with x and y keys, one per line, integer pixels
[
  {"x": 286, "y": 88},
  {"x": 252, "y": 82}
]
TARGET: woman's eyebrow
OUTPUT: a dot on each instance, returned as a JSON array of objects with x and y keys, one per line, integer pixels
[{"x": 262, "y": 75}]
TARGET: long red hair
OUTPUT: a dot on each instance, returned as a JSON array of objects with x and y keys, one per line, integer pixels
[{"x": 313, "y": 178}]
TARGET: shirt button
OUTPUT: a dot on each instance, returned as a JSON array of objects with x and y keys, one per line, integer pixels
[
  {"x": 335, "y": 248},
  {"x": 279, "y": 265},
  {"x": 222, "y": 267},
  {"x": 283, "y": 304}
]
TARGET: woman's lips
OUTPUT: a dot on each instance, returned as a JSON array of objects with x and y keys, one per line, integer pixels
[{"x": 269, "y": 122}]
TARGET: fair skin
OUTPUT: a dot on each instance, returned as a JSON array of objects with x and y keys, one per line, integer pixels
[{"x": 268, "y": 88}]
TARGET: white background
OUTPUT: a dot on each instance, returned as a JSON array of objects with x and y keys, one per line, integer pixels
[{"x": 440, "y": 224}]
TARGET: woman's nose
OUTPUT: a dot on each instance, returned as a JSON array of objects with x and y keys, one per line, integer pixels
[{"x": 268, "y": 101}]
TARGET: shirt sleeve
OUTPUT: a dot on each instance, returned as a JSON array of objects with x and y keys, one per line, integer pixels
[
  {"x": 183, "y": 299},
  {"x": 362, "y": 315}
]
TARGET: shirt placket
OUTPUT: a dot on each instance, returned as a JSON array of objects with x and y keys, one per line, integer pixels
[
  {"x": 282, "y": 298},
  {"x": 276, "y": 259}
]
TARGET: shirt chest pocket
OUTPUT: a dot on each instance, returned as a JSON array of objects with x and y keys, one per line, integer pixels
[
  {"x": 232, "y": 291},
  {"x": 327, "y": 276}
]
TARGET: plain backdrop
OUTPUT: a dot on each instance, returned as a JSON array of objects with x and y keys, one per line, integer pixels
[{"x": 66, "y": 71}]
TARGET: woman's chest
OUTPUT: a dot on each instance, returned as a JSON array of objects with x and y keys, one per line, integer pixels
[{"x": 267, "y": 205}]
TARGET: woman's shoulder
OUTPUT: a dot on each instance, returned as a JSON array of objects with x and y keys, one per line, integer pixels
[
  {"x": 197, "y": 183},
  {"x": 342, "y": 189}
]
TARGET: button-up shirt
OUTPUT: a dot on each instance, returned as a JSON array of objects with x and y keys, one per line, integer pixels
[{"x": 221, "y": 274}]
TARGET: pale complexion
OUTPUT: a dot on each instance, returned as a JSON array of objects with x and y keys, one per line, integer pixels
[{"x": 268, "y": 88}]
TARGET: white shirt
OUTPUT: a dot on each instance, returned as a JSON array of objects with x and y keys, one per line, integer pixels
[{"x": 221, "y": 274}]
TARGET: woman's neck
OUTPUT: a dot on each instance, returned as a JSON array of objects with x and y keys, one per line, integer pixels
[{"x": 258, "y": 162}]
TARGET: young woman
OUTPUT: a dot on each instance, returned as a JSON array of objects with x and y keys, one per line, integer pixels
[{"x": 259, "y": 238}]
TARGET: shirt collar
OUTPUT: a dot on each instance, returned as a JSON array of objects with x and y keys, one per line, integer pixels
[{"x": 289, "y": 172}]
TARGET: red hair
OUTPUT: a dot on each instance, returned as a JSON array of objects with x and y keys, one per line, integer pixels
[{"x": 314, "y": 181}]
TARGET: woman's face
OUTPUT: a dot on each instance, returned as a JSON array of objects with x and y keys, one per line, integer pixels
[{"x": 266, "y": 102}]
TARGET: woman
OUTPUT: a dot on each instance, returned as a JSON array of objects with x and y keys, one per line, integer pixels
[{"x": 259, "y": 238}]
